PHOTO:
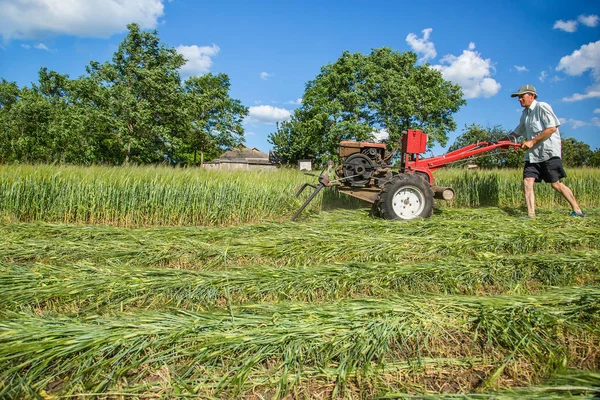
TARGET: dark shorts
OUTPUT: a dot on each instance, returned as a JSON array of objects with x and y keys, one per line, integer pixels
[{"x": 549, "y": 171}]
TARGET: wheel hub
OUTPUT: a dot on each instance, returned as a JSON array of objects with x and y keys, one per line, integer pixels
[{"x": 408, "y": 202}]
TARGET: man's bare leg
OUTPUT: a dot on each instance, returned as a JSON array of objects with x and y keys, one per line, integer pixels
[
  {"x": 529, "y": 195},
  {"x": 567, "y": 194}
]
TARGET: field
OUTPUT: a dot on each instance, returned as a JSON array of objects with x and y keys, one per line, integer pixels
[{"x": 155, "y": 282}]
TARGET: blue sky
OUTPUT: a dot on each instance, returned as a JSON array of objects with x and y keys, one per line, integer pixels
[{"x": 271, "y": 49}]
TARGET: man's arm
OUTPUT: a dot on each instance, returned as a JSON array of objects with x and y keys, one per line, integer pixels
[{"x": 543, "y": 135}]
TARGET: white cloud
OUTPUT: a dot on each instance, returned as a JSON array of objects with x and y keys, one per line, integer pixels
[
  {"x": 567, "y": 26},
  {"x": 296, "y": 102},
  {"x": 267, "y": 114},
  {"x": 587, "y": 57},
  {"x": 381, "y": 135},
  {"x": 575, "y": 123},
  {"x": 543, "y": 76},
  {"x": 30, "y": 19},
  {"x": 471, "y": 72},
  {"x": 521, "y": 68},
  {"x": 39, "y": 46},
  {"x": 590, "y": 94},
  {"x": 422, "y": 45},
  {"x": 199, "y": 58},
  {"x": 265, "y": 75},
  {"x": 597, "y": 111},
  {"x": 588, "y": 20}
]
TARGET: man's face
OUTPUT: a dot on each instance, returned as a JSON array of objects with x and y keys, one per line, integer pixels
[{"x": 526, "y": 99}]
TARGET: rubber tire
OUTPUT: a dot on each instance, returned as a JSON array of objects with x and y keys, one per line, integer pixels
[{"x": 419, "y": 191}]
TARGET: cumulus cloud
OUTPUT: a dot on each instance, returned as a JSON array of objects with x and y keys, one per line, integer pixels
[
  {"x": 588, "y": 20},
  {"x": 422, "y": 46},
  {"x": 566, "y": 26},
  {"x": 571, "y": 25},
  {"x": 543, "y": 76},
  {"x": 298, "y": 101},
  {"x": 576, "y": 123},
  {"x": 30, "y": 19},
  {"x": 199, "y": 58},
  {"x": 521, "y": 68},
  {"x": 267, "y": 114},
  {"x": 587, "y": 57},
  {"x": 597, "y": 111},
  {"x": 265, "y": 75},
  {"x": 471, "y": 72}
]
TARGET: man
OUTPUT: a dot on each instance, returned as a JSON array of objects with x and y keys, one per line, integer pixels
[{"x": 540, "y": 125}]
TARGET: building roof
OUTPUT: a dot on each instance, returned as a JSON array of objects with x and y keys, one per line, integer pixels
[{"x": 242, "y": 153}]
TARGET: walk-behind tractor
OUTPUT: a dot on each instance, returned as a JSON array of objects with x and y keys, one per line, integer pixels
[{"x": 365, "y": 173}]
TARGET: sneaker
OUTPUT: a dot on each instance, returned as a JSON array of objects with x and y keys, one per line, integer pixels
[{"x": 576, "y": 214}]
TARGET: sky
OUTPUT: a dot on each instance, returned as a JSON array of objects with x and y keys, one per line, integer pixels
[{"x": 271, "y": 49}]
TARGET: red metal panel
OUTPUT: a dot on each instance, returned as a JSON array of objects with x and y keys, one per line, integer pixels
[{"x": 414, "y": 142}]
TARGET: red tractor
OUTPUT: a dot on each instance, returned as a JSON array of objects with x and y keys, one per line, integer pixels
[{"x": 404, "y": 194}]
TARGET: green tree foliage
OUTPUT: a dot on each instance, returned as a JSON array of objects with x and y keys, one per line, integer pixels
[
  {"x": 575, "y": 153},
  {"x": 494, "y": 159},
  {"x": 594, "y": 160},
  {"x": 132, "y": 109},
  {"x": 216, "y": 118},
  {"x": 145, "y": 96},
  {"x": 359, "y": 95}
]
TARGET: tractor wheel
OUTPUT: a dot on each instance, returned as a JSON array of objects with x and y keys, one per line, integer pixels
[{"x": 405, "y": 197}]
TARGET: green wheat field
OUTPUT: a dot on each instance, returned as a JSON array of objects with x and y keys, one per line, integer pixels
[{"x": 154, "y": 282}]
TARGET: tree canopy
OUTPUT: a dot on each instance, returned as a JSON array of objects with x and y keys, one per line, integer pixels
[
  {"x": 359, "y": 95},
  {"x": 134, "y": 108}
]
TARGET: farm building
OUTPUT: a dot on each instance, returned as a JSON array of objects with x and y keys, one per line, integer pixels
[{"x": 242, "y": 157}]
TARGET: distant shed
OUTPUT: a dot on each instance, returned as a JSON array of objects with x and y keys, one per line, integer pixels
[{"x": 242, "y": 157}]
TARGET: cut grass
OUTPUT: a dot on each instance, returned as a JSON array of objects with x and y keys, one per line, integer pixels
[
  {"x": 353, "y": 338},
  {"x": 340, "y": 305},
  {"x": 69, "y": 287},
  {"x": 340, "y": 236}
]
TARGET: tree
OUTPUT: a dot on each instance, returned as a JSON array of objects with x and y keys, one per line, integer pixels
[
  {"x": 9, "y": 95},
  {"x": 594, "y": 160},
  {"x": 493, "y": 159},
  {"x": 215, "y": 118},
  {"x": 144, "y": 95},
  {"x": 575, "y": 153},
  {"x": 359, "y": 95},
  {"x": 48, "y": 122}
]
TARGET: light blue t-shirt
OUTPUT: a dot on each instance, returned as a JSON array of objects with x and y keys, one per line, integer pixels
[{"x": 534, "y": 120}]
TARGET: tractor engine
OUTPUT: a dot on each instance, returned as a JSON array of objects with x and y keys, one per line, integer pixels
[{"x": 363, "y": 163}]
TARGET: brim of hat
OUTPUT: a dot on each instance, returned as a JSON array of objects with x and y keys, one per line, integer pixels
[{"x": 520, "y": 93}]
